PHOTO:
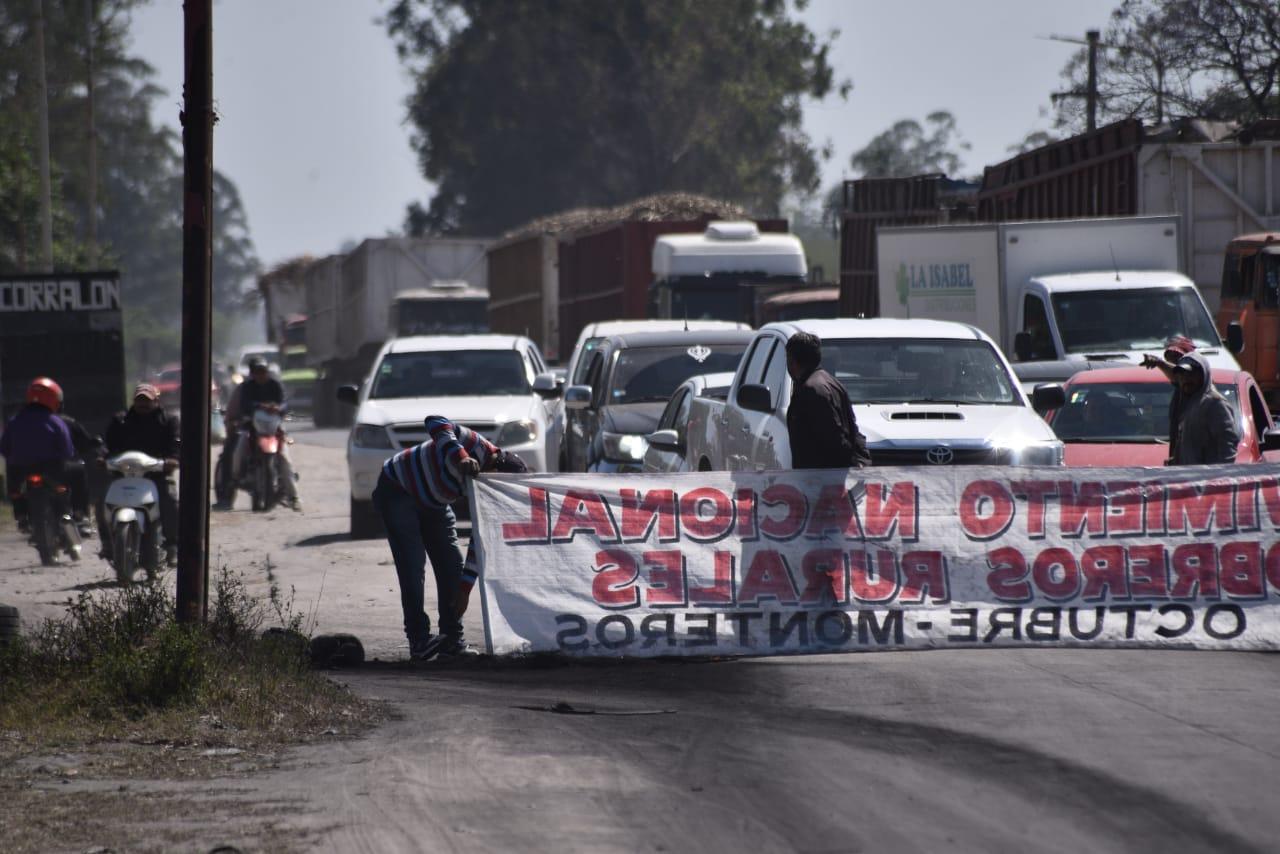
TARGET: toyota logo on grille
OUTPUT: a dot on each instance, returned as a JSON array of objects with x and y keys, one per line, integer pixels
[{"x": 940, "y": 455}]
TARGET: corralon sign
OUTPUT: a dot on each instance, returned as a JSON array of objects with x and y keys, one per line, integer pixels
[{"x": 728, "y": 563}]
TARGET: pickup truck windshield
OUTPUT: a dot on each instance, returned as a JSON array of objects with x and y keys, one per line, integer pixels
[
  {"x": 455, "y": 373},
  {"x": 652, "y": 373},
  {"x": 1120, "y": 321},
  {"x": 1114, "y": 413},
  {"x": 915, "y": 370}
]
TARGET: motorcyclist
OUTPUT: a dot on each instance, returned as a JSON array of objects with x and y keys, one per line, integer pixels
[
  {"x": 37, "y": 441},
  {"x": 146, "y": 427},
  {"x": 260, "y": 389}
]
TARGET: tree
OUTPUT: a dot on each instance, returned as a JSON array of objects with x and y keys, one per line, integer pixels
[
  {"x": 526, "y": 107},
  {"x": 908, "y": 149},
  {"x": 135, "y": 191},
  {"x": 1164, "y": 59}
]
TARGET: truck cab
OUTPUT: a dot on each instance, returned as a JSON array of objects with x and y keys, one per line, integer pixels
[
  {"x": 1251, "y": 297},
  {"x": 725, "y": 273},
  {"x": 443, "y": 308}
]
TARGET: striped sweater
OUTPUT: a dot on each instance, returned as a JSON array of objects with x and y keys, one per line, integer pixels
[{"x": 429, "y": 471}]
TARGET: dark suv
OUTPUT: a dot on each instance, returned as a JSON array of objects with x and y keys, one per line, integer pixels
[{"x": 628, "y": 381}]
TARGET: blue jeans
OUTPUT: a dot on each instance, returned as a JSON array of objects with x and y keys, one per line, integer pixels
[{"x": 416, "y": 533}]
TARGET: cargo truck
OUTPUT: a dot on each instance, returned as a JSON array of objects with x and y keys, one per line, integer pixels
[
  {"x": 553, "y": 277},
  {"x": 350, "y": 305},
  {"x": 1251, "y": 297},
  {"x": 1065, "y": 290},
  {"x": 1222, "y": 179}
]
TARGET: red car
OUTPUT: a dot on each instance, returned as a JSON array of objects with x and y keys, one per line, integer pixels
[
  {"x": 169, "y": 384},
  {"x": 1120, "y": 417}
]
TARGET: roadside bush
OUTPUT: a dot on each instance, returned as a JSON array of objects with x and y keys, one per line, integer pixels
[{"x": 119, "y": 657}]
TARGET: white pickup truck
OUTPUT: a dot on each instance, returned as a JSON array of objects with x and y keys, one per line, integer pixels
[{"x": 925, "y": 392}]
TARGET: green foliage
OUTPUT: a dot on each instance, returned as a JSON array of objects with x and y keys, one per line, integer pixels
[
  {"x": 526, "y": 107},
  {"x": 909, "y": 148},
  {"x": 121, "y": 655},
  {"x": 1168, "y": 59}
]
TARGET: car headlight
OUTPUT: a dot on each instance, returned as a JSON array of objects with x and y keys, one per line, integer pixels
[
  {"x": 371, "y": 436},
  {"x": 624, "y": 446},
  {"x": 516, "y": 433}
]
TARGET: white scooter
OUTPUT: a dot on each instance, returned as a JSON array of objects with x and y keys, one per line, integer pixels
[{"x": 133, "y": 514}]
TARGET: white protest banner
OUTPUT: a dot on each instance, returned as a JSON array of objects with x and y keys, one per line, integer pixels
[{"x": 736, "y": 563}]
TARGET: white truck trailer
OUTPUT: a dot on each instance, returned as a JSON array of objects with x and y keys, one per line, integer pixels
[{"x": 1051, "y": 290}]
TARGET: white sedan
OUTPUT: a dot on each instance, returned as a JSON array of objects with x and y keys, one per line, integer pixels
[{"x": 496, "y": 385}]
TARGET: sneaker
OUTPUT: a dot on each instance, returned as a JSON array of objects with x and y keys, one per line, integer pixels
[
  {"x": 425, "y": 650},
  {"x": 443, "y": 648},
  {"x": 295, "y": 505},
  {"x": 222, "y": 505}
]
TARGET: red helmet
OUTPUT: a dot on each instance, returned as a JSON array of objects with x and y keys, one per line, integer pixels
[{"x": 45, "y": 392}]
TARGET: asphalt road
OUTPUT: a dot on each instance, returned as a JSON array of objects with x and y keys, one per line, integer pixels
[{"x": 1070, "y": 750}]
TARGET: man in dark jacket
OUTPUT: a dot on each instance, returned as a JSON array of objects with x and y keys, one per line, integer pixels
[
  {"x": 1207, "y": 429},
  {"x": 820, "y": 420},
  {"x": 146, "y": 427}
]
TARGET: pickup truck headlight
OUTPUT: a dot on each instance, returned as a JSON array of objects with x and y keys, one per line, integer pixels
[
  {"x": 1038, "y": 454},
  {"x": 516, "y": 433},
  {"x": 627, "y": 447},
  {"x": 371, "y": 436}
]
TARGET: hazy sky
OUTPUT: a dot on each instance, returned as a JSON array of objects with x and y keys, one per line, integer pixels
[{"x": 311, "y": 96}]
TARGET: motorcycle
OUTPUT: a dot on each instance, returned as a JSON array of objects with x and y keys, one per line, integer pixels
[
  {"x": 133, "y": 511},
  {"x": 52, "y": 529},
  {"x": 261, "y": 476}
]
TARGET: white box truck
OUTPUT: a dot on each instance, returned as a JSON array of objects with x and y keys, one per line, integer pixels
[{"x": 1052, "y": 290}]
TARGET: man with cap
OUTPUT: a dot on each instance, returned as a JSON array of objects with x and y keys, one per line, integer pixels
[
  {"x": 146, "y": 427},
  {"x": 260, "y": 389},
  {"x": 1207, "y": 431},
  {"x": 1174, "y": 349}
]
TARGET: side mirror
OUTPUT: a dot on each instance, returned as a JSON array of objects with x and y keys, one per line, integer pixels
[
  {"x": 349, "y": 394},
  {"x": 1235, "y": 338},
  {"x": 1022, "y": 346},
  {"x": 545, "y": 385},
  {"x": 669, "y": 440},
  {"x": 1271, "y": 439},
  {"x": 755, "y": 397},
  {"x": 1047, "y": 397},
  {"x": 577, "y": 397}
]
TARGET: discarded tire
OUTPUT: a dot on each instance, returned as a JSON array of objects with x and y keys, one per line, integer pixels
[
  {"x": 9, "y": 622},
  {"x": 337, "y": 650}
]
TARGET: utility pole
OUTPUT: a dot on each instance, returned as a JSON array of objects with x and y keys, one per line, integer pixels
[
  {"x": 42, "y": 131},
  {"x": 197, "y": 309},
  {"x": 1092, "y": 40},
  {"x": 1091, "y": 91},
  {"x": 91, "y": 191}
]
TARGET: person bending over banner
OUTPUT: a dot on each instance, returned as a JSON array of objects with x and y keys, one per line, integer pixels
[
  {"x": 823, "y": 429},
  {"x": 414, "y": 492}
]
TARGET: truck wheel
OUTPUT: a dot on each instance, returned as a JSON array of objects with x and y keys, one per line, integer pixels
[
  {"x": 366, "y": 522},
  {"x": 9, "y": 623},
  {"x": 703, "y": 465}
]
